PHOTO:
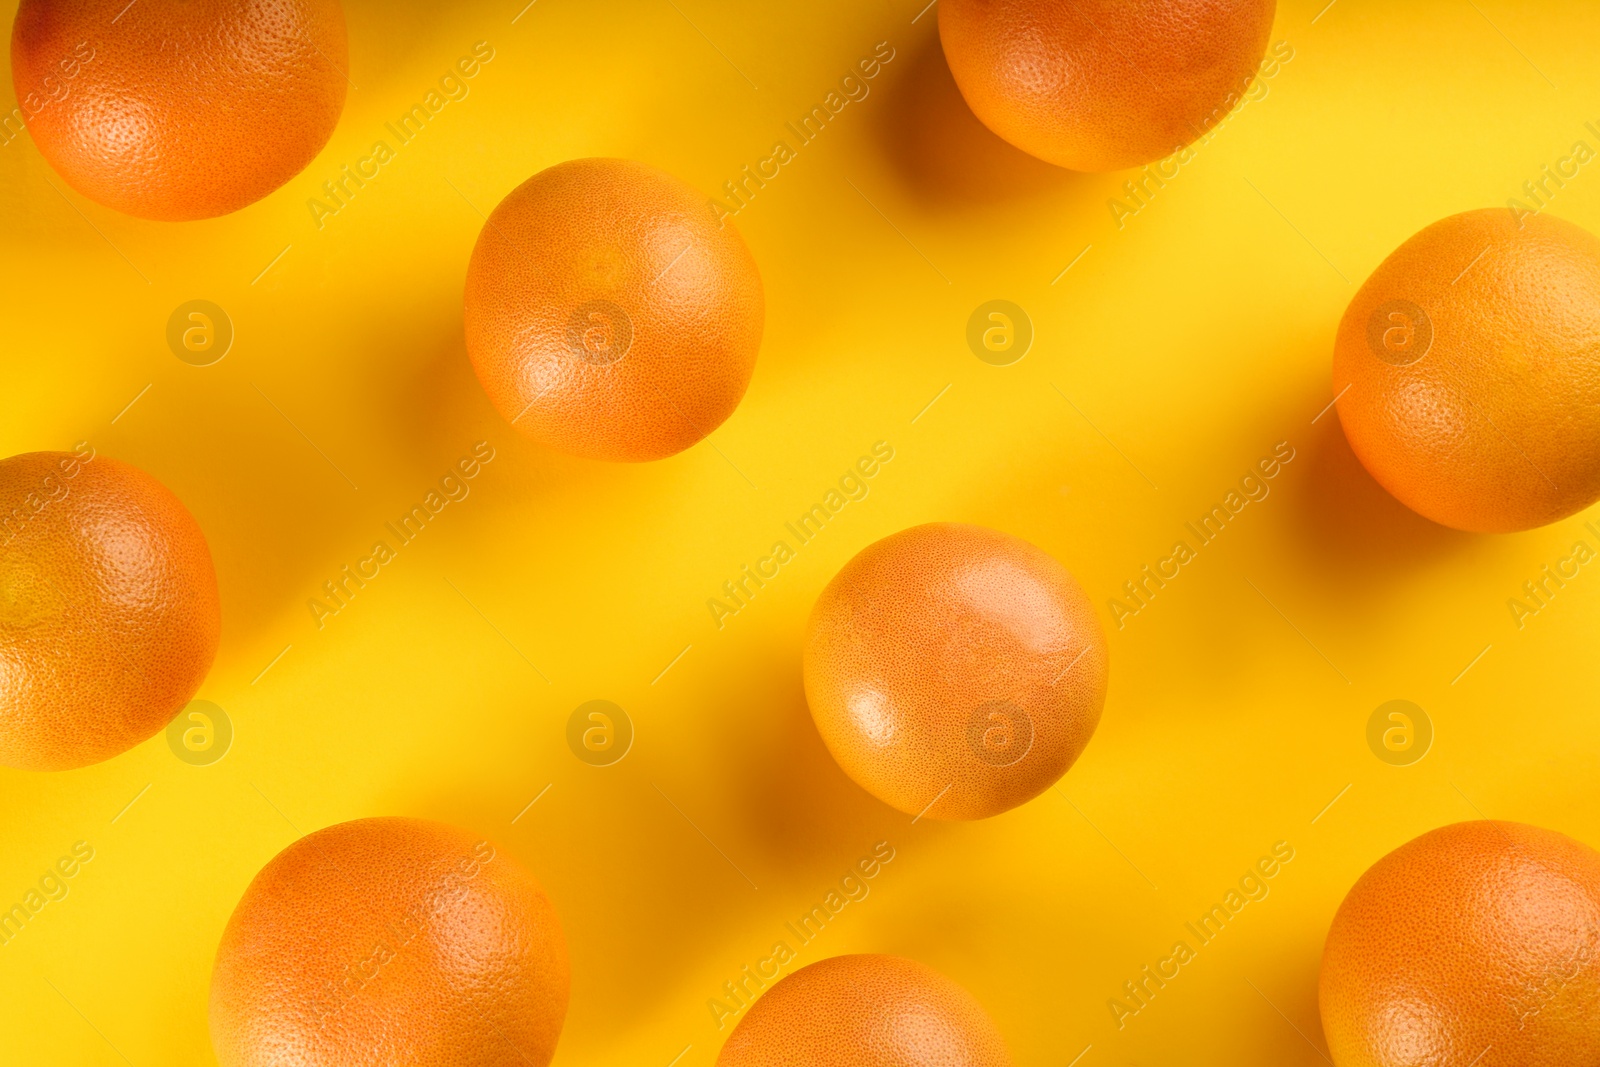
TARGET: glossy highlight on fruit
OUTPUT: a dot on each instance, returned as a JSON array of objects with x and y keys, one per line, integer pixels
[
  {"x": 865, "y": 1011},
  {"x": 1477, "y": 941},
  {"x": 390, "y": 940},
  {"x": 608, "y": 312},
  {"x": 1100, "y": 85},
  {"x": 109, "y": 613},
  {"x": 179, "y": 109},
  {"x": 954, "y": 671},
  {"x": 1468, "y": 371}
]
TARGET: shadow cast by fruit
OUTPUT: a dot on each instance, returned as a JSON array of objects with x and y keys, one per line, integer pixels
[
  {"x": 948, "y": 158},
  {"x": 1347, "y": 518}
]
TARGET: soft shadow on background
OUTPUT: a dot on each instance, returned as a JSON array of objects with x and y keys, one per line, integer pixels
[
  {"x": 1347, "y": 518},
  {"x": 948, "y": 158},
  {"x": 776, "y": 808}
]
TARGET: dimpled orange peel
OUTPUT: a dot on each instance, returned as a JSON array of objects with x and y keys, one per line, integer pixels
[
  {"x": 954, "y": 671},
  {"x": 1474, "y": 943},
  {"x": 609, "y": 314},
  {"x": 179, "y": 109},
  {"x": 109, "y": 615},
  {"x": 390, "y": 941},
  {"x": 1468, "y": 371},
  {"x": 865, "y": 1011},
  {"x": 1100, "y": 85}
]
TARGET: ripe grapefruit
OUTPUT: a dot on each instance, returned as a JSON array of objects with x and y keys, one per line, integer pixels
[
  {"x": 1475, "y": 943},
  {"x": 865, "y": 1011},
  {"x": 390, "y": 941},
  {"x": 1472, "y": 361},
  {"x": 179, "y": 109},
  {"x": 109, "y": 616},
  {"x": 1098, "y": 85},
  {"x": 954, "y": 671},
  {"x": 609, "y": 314}
]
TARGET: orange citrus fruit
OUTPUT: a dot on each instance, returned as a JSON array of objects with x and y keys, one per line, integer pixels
[
  {"x": 609, "y": 314},
  {"x": 109, "y": 616},
  {"x": 1098, "y": 85},
  {"x": 1468, "y": 368},
  {"x": 865, "y": 1011},
  {"x": 954, "y": 671},
  {"x": 179, "y": 109},
  {"x": 390, "y": 941},
  {"x": 1477, "y": 943}
]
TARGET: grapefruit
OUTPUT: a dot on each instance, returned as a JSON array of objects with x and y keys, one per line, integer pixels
[
  {"x": 1477, "y": 943},
  {"x": 179, "y": 109},
  {"x": 954, "y": 671},
  {"x": 386, "y": 941},
  {"x": 1098, "y": 85},
  {"x": 1469, "y": 371},
  {"x": 609, "y": 314},
  {"x": 109, "y": 615},
  {"x": 865, "y": 1011}
]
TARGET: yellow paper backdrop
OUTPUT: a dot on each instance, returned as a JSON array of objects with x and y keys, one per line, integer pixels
[{"x": 1186, "y": 341}]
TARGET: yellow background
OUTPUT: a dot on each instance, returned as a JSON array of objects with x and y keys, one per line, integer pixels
[{"x": 1190, "y": 341}]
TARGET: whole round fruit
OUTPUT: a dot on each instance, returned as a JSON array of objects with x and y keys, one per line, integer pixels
[
  {"x": 609, "y": 314},
  {"x": 1098, "y": 85},
  {"x": 954, "y": 671},
  {"x": 865, "y": 1011},
  {"x": 386, "y": 941},
  {"x": 179, "y": 109},
  {"x": 109, "y": 615},
  {"x": 1474, "y": 943},
  {"x": 1468, "y": 368}
]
